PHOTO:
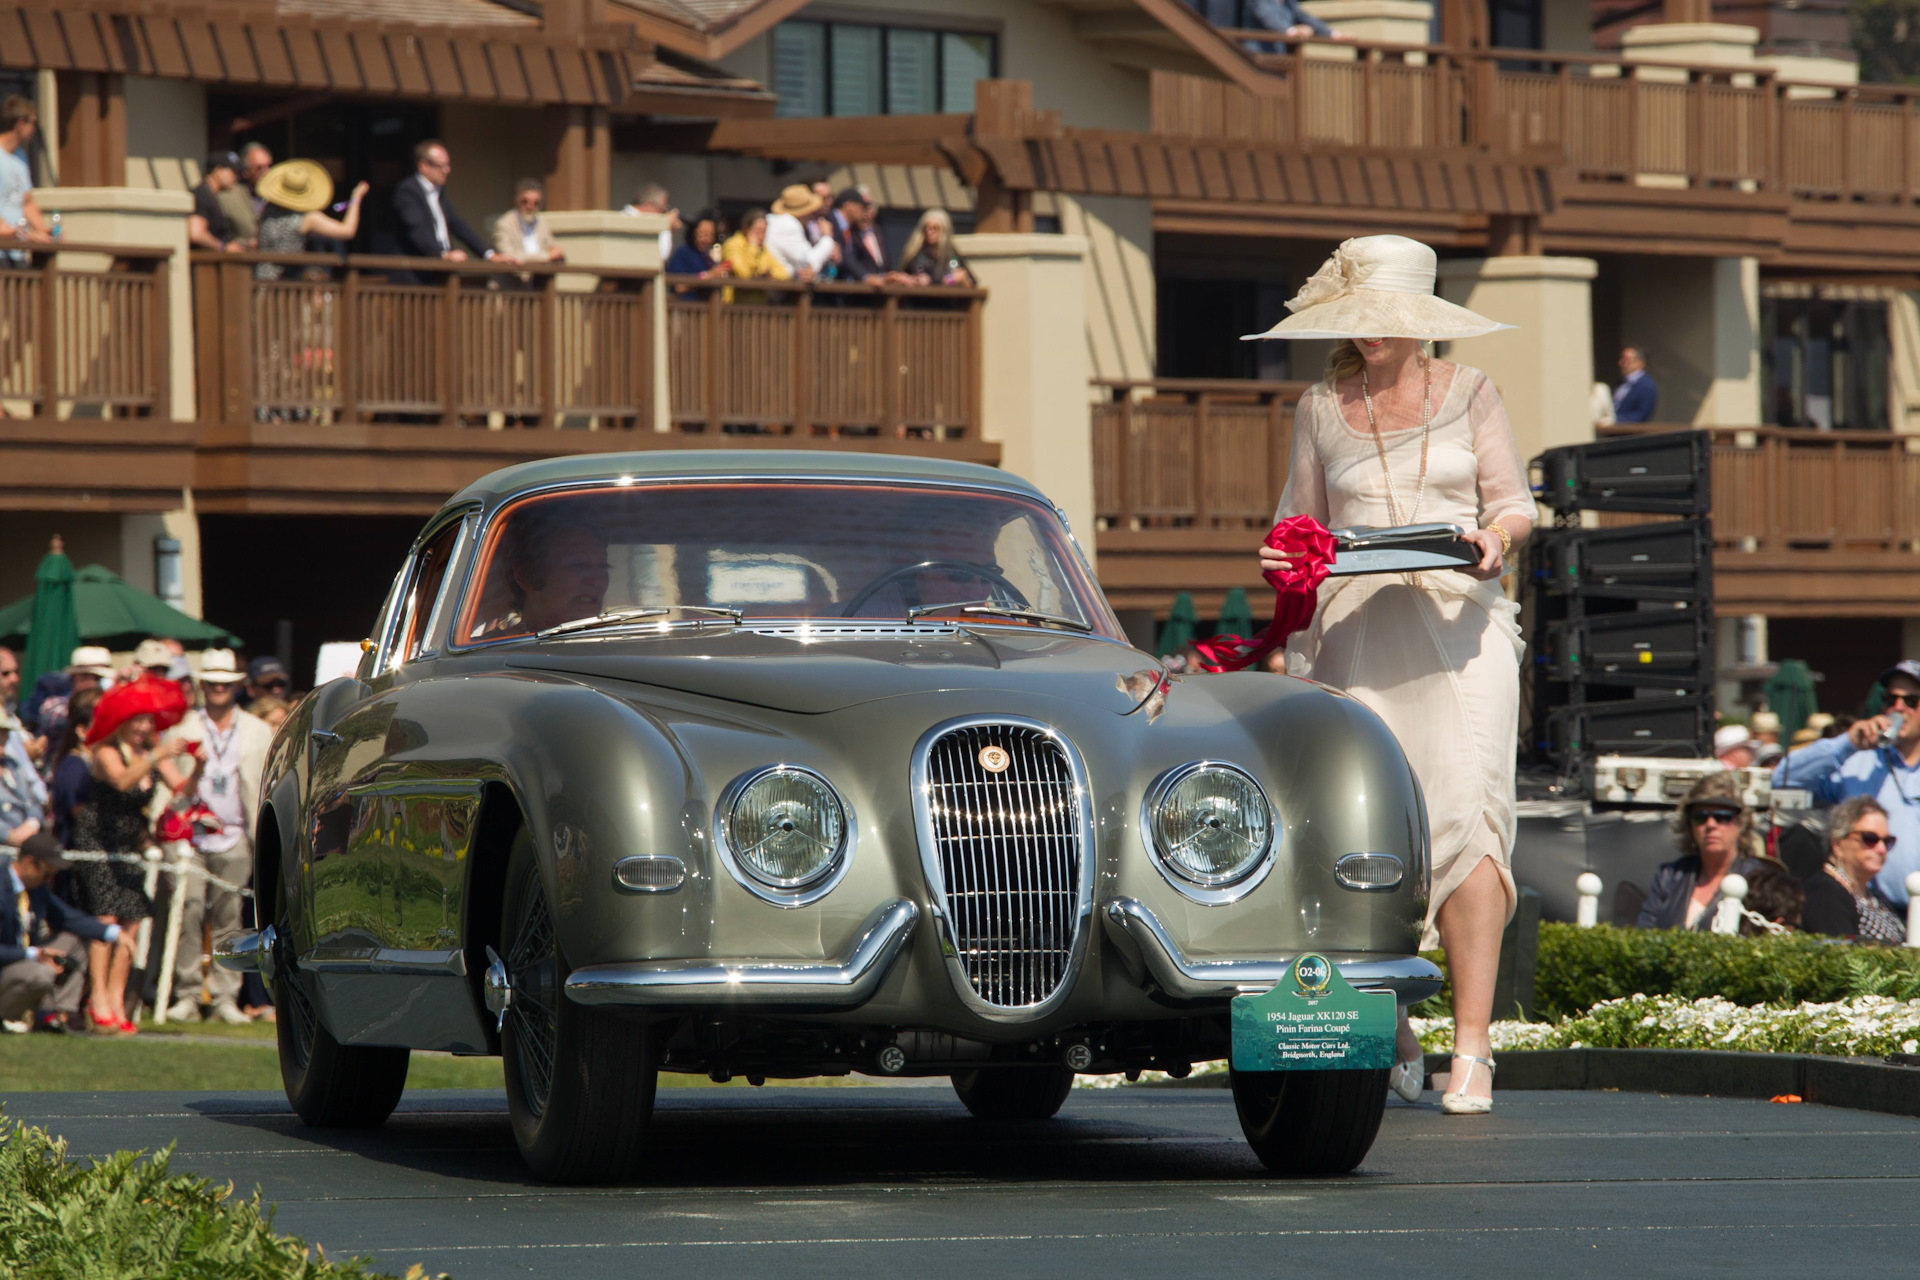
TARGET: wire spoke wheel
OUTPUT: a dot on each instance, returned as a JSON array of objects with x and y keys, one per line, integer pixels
[
  {"x": 531, "y": 967},
  {"x": 293, "y": 997}
]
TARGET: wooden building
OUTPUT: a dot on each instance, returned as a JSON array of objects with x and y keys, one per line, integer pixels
[{"x": 1138, "y": 185}]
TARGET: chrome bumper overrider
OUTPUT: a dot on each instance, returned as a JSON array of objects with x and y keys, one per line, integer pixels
[
  {"x": 1151, "y": 954},
  {"x": 842, "y": 983},
  {"x": 247, "y": 953}
]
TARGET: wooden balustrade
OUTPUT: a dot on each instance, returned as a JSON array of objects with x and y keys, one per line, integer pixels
[
  {"x": 826, "y": 359},
  {"x": 379, "y": 339},
  {"x": 83, "y": 331},
  {"x": 1779, "y": 489},
  {"x": 1606, "y": 118},
  {"x": 1191, "y": 453}
]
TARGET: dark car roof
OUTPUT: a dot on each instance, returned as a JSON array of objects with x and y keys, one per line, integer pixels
[{"x": 705, "y": 464}]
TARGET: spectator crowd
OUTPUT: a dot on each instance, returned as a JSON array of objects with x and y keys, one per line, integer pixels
[{"x": 99, "y": 766}]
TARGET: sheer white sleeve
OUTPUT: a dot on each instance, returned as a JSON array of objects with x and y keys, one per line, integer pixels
[
  {"x": 1306, "y": 491},
  {"x": 1504, "y": 490}
]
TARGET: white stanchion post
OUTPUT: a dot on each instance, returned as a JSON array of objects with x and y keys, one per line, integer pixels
[
  {"x": 1587, "y": 914},
  {"x": 1733, "y": 893},
  {"x": 143, "y": 936},
  {"x": 176, "y": 904},
  {"x": 1913, "y": 908}
]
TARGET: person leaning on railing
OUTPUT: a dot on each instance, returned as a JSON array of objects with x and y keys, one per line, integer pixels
[
  {"x": 1717, "y": 836},
  {"x": 295, "y": 194},
  {"x": 19, "y": 215},
  {"x": 1841, "y": 900},
  {"x": 522, "y": 232},
  {"x": 699, "y": 255},
  {"x": 931, "y": 257},
  {"x": 208, "y": 226},
  {"x": 748, "y": 258}
]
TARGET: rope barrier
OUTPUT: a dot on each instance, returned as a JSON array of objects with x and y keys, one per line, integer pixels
[{"x": 153, "y": 855}]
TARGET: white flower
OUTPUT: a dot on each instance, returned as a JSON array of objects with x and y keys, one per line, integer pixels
[{"x": 1334, "y": 279}]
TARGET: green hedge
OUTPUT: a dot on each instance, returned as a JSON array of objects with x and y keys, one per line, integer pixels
[
  {"x": 1578, "y": 968},
  {"x": 130, "y": 1216}
]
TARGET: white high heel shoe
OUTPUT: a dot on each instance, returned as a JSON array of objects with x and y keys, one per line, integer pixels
[
  {"x": 1407, "y": 1078},
  {"x": 1458, "y": 1102}
]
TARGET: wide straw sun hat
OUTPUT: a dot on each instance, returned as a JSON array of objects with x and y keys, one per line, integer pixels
[
  {"x": 299, "y": 185},
  {"x": 798, "y": 200},
  {"x": 1377, "y": 287}
]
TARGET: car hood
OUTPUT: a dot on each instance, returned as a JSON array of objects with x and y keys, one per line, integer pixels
[{"x": 817, "y": 674}]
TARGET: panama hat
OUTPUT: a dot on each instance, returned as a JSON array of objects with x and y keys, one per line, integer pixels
[
  {"x": 91, "y": 659},
  {"x": 1377, "y": 287},
  {"x": 299, "y": 185},
  {"x": 798, "y": 200},
  {"x": 217, "y": 666}
]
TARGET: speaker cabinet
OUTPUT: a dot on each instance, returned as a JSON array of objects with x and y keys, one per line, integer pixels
[
  {"x": 1664, "y": 648},
  {"x": 1650, "y": 726},
  {"x": 1666, "y": 474},
  {"x": 1669, "y": 561}
]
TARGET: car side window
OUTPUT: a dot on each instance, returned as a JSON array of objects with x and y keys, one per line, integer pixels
[{"x": 429, "y": 572}]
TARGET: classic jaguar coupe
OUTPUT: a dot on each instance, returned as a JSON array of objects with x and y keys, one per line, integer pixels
[{"x": 778, "y": 765}]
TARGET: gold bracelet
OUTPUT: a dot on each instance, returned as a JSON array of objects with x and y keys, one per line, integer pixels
[{"x": 1506, "y": 539}]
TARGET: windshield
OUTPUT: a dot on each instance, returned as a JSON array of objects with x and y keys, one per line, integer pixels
[{"x": 794, "y": 550}]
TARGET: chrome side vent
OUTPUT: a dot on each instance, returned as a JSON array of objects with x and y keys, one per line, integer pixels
[{"x": 1005, "y": 838}]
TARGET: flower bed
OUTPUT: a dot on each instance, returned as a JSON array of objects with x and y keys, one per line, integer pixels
[{"x": 1864, "y": 1025}]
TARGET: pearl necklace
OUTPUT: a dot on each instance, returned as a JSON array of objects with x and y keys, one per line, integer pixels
[{"x": 1426, "y": 429}]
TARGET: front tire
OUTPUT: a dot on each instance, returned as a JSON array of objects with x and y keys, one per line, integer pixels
[
  {"x": 1014, "y": 1093},
  {"x": 1310, "y": 1123},
  {"x": 580, "y": 1082},
  {"x": 330, "y": 1085}
]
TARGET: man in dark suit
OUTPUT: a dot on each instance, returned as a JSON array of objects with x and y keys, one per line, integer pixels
[
  {"x": 1635, "y": 399},
  {"x": 42, "y": 951},
  {"x": 862, "y": 257},
  {"x": 425, "y": 221}
]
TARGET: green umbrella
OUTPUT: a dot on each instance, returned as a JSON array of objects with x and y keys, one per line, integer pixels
[
  {"x": 52, "y": 630},
  {"x": 1236, "y": 615},
  {"x": 115, "y": 614},
  {"x": 1790, "y": 696},
  {"x": 1177, "y": 634}
]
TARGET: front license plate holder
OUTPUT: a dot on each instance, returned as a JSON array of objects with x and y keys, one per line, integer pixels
[{"x": 1314, "y": 1020}]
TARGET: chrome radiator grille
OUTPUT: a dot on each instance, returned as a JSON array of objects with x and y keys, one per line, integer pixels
[{"x": 1008, "y": 848}]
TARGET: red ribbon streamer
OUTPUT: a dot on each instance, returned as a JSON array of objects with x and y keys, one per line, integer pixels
[{"x": 1296, "y": 594}]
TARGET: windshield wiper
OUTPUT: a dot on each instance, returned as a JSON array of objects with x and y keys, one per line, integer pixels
[
  {"x": 614, "y": 617},
  {"x": 999, "y": 611}
]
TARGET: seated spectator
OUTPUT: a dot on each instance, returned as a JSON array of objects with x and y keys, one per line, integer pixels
[
  {"x": 522, "y": 231},
  {"x": 1716, "y": 835},
  {"x": 1841, "y": 901},
  {"x": 699, "y": 256},
  {"x": 748, "y": 258},
  {"x": 43, "y": 964},
  {"x": 787, "y": 234},
  {"x": 1775, "y": 897},
  {"x": 72, "y": 768},
  {"x": 295, "y": 193},
  {"x": 931, "y": 256},
  {"x": 208, "y": 226}
]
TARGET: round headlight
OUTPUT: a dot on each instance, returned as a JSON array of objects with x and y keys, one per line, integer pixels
[
  {"x": 787, "y": 827},
  {"x": 1211, "y": 824}
]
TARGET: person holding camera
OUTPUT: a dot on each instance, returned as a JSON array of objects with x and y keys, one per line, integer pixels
[
  {"x": 42, "y": 951},
  {"x": 1878, "y": 756}
]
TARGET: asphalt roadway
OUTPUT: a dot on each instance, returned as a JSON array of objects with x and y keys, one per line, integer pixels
[{"x": 1129, "y": 1182}]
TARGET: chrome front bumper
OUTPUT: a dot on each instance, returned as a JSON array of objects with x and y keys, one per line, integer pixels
[
  {"x": 845, "y": 982},
  {"x": 1151, "y": 955}
]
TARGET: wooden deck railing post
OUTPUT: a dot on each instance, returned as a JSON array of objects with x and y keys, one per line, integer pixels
[
  {"x": 236, "y": 340},
  {"x": 892, "y": 408},
  {"x": 1696, "y": 162},
  {"x": 643, "y": 356},
  {"x": 971, "y": 371},
  {"x": 160, "y": 337},
  {"x": 47, "y": 341},
  {"x": 1202, "y": 472},
  {"x": 1122, "y": 455},
  {"x": 448, "y": 361},
  {"x": 545, "y": 336},
  {"x": 1367, "y": 88},
  {"x": 710, "y": 360},
  {"x": 803, "y": 358},
  {"x": 346, "y": 336}
]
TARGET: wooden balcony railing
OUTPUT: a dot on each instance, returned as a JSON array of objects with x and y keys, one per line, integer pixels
[
  {"x": 78, "y": 342},
  {"x": 824, "y": 359},
  {"x": 1606, "y": 118},
  {"x": 1779, "y": 489},
  {"x": 1191, "y": 453},
  {"x": 378, "y": 339}
]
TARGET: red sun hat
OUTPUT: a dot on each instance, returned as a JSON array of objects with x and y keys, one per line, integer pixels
[{"x": 161, "y": 699}]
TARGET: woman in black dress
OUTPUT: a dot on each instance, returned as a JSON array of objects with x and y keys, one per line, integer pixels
[
  {"x": 113, "y": 820},
  {"x": 1840, "y": 898}
]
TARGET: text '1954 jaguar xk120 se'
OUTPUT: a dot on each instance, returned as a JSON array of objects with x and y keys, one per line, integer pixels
[{"x": 785, "y": 764}]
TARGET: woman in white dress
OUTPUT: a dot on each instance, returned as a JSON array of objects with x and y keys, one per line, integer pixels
[{"x": 1393, "y": 436}]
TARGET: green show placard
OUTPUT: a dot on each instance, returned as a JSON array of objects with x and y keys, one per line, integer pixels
[{"x": 1313, "y": 1021}]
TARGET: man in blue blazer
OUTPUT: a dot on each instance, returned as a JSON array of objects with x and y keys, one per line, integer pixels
[
  {"x": 1635, "y": 399},
  {"x": 41, "y": 938}
]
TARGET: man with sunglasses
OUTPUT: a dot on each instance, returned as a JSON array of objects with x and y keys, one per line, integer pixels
[{"x": 1856, "y": 764}]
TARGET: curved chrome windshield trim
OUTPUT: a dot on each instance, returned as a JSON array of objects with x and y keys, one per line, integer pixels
[{"x": 491, "y": 513}]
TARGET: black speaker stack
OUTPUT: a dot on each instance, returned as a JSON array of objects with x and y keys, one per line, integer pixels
[{"x": 1621, "y": 618}]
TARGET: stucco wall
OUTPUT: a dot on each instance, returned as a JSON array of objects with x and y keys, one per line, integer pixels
[
  {"x": 166, "y": 133},
  {"x": 1036, "y": 43},
  {"x": 1566, "y": 26},
  {"x": 1698, "y": 319},
  {"x": 492, "y": 148}
]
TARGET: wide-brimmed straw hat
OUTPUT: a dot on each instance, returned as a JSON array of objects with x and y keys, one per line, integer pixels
[
  {"x": 1377, "y": 287},
  {"x": 299, "y": 185},
  {"x": 217, "y": 666},
  {"x": 798, "y": 200}
]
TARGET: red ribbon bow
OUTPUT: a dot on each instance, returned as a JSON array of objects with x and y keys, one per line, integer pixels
[{"x": 1296, "y": 594}]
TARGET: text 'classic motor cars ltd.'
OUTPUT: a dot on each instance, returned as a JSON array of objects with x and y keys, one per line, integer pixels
[{"x": 779, "y": 765}]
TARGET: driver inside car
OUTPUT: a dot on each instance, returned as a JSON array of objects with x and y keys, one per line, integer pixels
[{"x": 557, "y": 570}]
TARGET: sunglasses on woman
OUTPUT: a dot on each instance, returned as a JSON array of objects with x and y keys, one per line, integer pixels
[
  {"x": 1872, "y": 839},
  {"x": 1725, "y": 817}
]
